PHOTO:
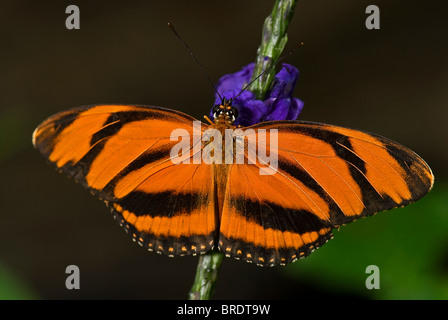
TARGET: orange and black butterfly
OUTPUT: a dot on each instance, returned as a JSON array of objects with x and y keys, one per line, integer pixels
[{"x": 327, "y": 176}]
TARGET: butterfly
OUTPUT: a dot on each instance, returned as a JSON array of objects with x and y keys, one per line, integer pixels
[{"x": 325, "y": 176}]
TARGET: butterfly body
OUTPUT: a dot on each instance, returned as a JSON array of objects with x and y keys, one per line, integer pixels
[{"x": 172, "y": 203}]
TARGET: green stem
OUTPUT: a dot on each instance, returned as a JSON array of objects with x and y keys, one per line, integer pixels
[
  {"x": 206, "y": 276},
  {"x": 273, "y": 41}
]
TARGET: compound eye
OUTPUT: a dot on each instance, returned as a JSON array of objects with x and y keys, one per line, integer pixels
[
  {"x": 217, "y": 110},
  {"x": 234, "y": 113}
]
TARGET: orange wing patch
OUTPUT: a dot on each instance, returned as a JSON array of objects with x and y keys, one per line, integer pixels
[{"x": 268, "y": 222}]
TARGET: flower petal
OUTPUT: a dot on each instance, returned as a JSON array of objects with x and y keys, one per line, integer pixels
[
  {"x": 295, "y": 109},
  {"x": 284, "y": 82},
  {"x": 235, "y": 81},
  {"x": 279, "y": 110},
  {"x": 279, "y": 104}
]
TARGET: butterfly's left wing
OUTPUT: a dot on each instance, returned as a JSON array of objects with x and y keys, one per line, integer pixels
[
  {"x": 122, "y": 154},
  {"x": 327, "y": 176}
]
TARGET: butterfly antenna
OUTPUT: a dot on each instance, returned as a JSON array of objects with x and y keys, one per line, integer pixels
[
  {"x": 269, "y": 69},
  {"x": 195, "y": 59}
]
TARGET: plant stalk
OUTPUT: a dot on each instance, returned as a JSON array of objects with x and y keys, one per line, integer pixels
[
  {"x": 206, "y": 276},
  {"x": 273, "y": 41}
]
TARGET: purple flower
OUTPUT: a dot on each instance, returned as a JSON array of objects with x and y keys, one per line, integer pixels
[{"x": 278, "y": 105}]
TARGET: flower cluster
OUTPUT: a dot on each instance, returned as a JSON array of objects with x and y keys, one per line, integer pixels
[{"x": 278, "y": 105}]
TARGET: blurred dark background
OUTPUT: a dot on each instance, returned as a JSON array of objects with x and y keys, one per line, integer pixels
[{"x": 391, "y": 81}]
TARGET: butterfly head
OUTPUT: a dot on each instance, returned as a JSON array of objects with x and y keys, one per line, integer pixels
[{"x": 225, "y": 112}]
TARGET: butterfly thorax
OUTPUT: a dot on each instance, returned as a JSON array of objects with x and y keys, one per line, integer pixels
[
  {"x": 222, "y": 122},
  {"x": 224, "y": 117}
]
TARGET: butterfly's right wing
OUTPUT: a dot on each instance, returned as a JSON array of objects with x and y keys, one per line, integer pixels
[
  {"x": 327, "y": 176},
  {"x": 121, "y": 153}
]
